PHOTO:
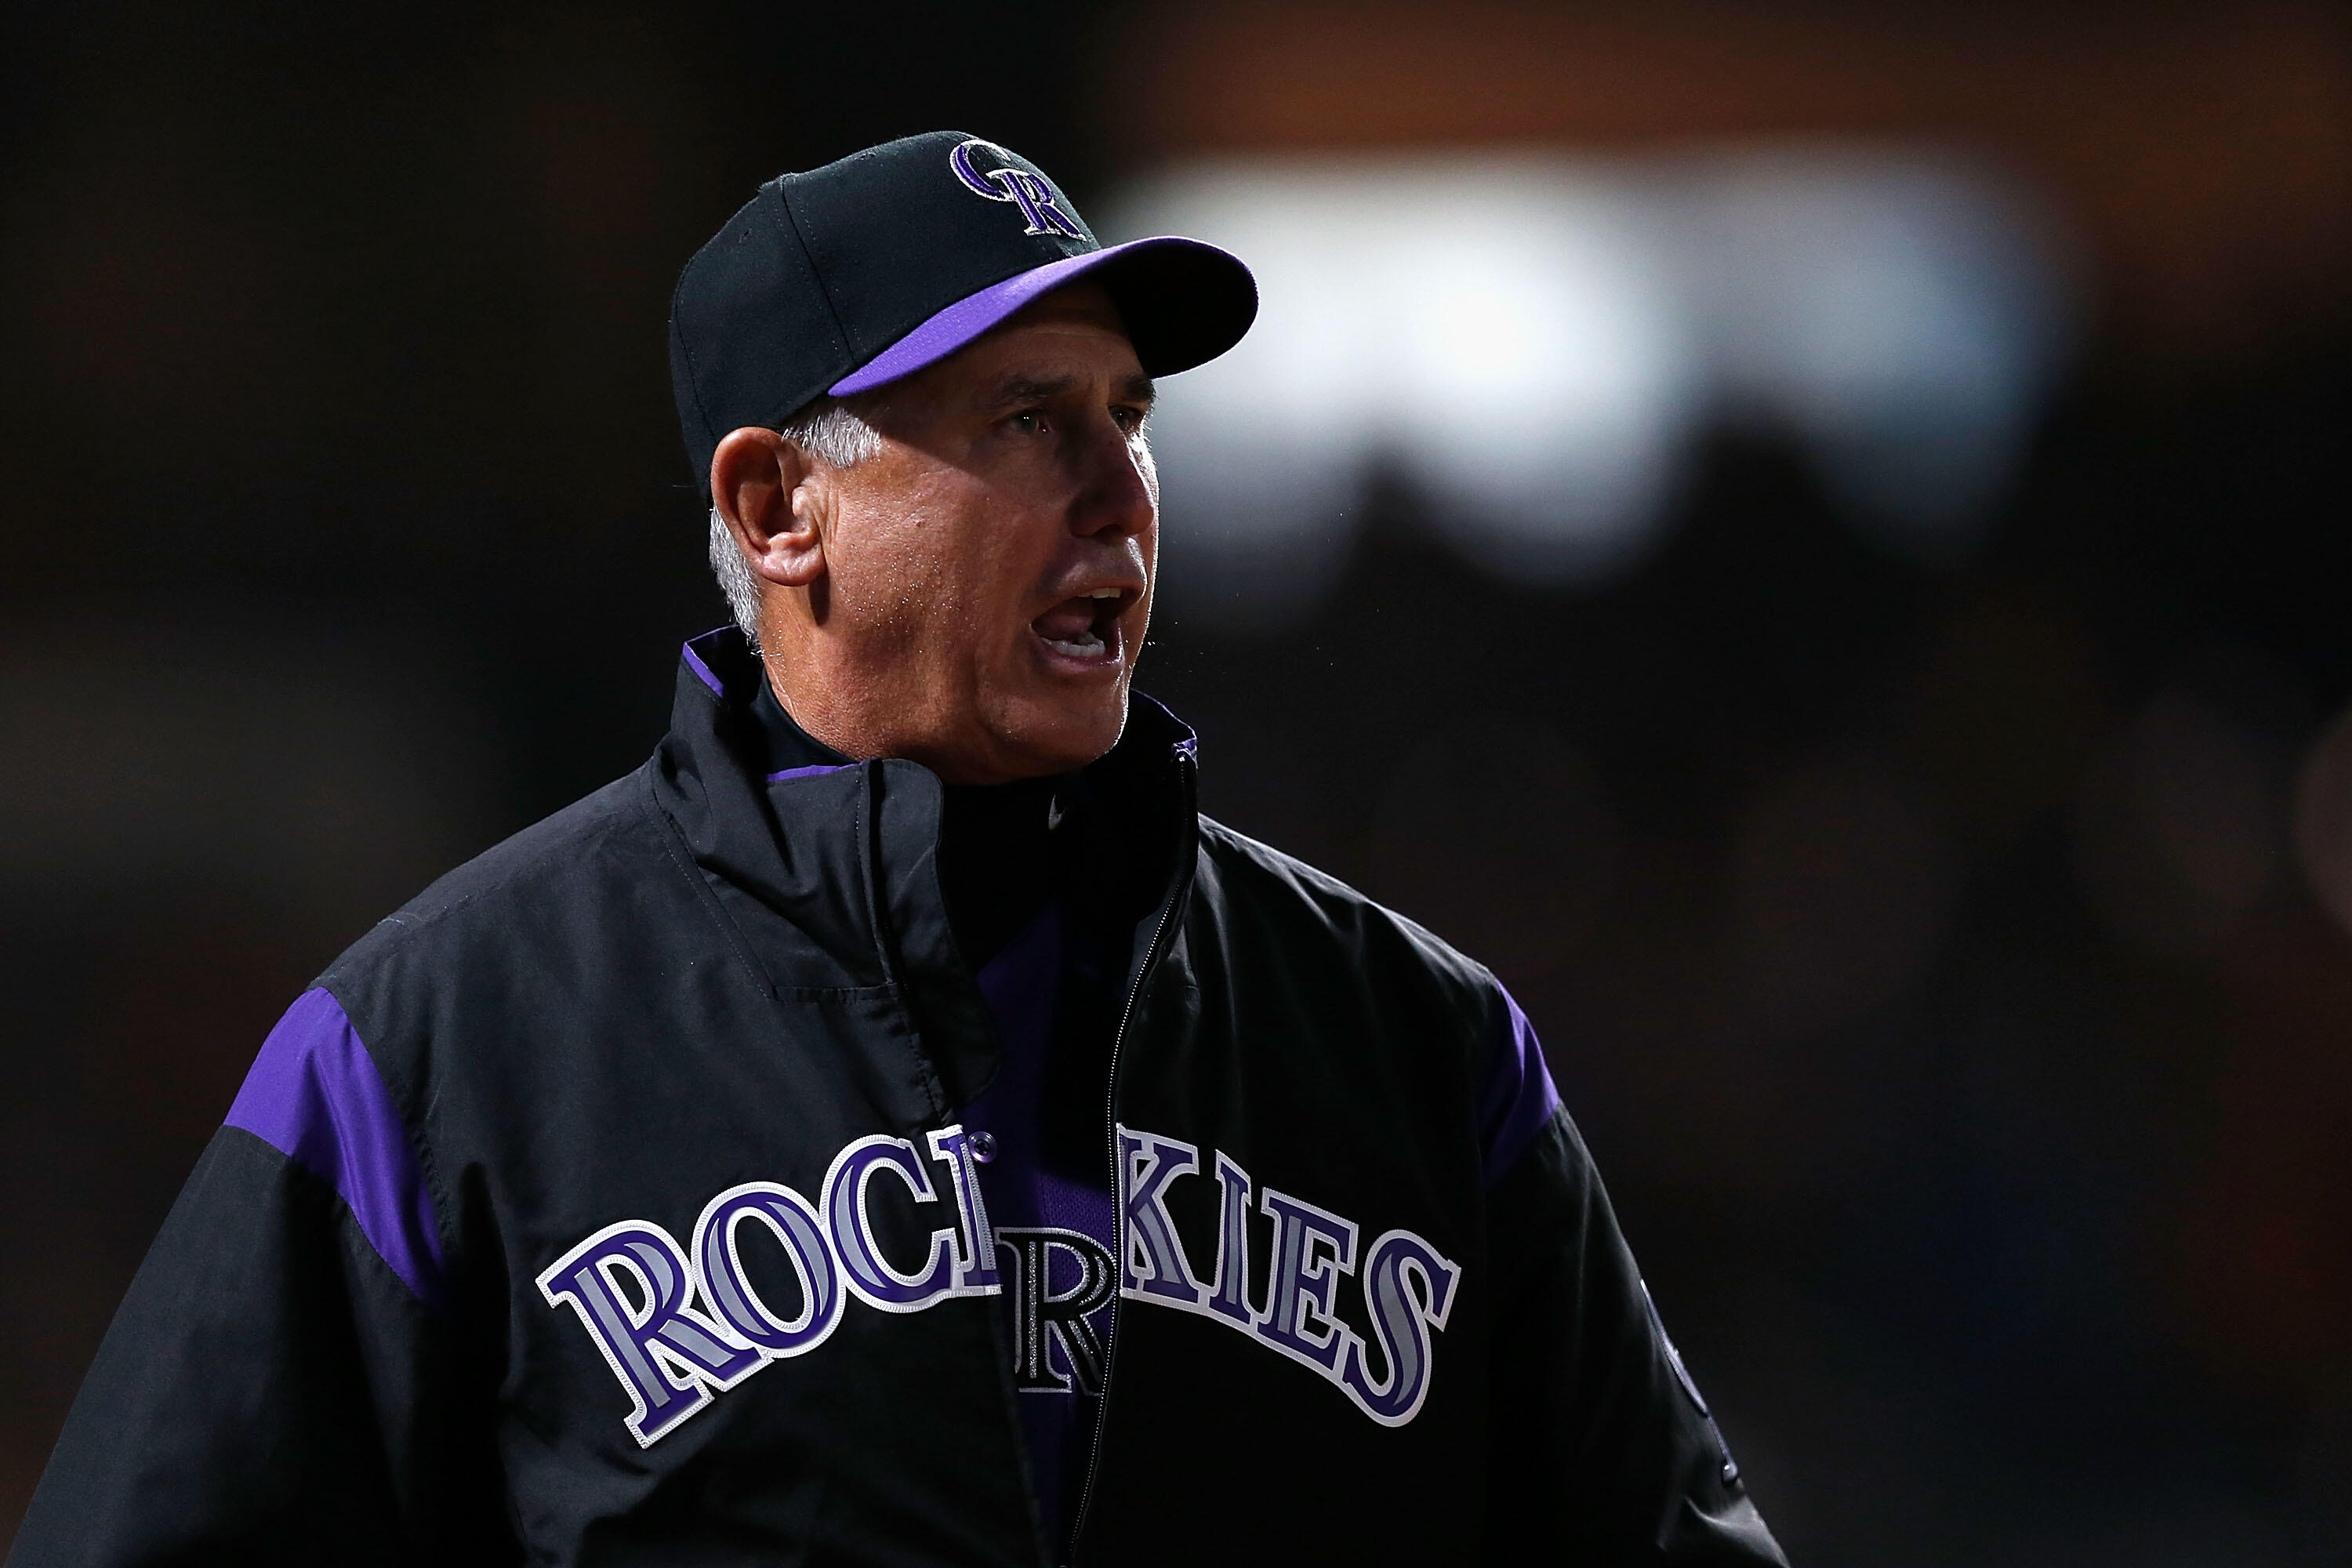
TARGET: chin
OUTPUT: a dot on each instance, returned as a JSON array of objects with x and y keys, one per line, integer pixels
[{"x": 1063, "y": 737}]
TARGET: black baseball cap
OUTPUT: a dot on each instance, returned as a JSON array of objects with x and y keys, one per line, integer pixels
[{"x": 846, "y": 278}]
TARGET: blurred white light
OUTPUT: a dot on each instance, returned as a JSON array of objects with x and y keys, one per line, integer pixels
[
  {"x": 1532, "y": 342},
  {"x": 1540, "y": 380},
  {"x": 1901, "y": 315},
  {"x": 1262, "y": 453},
  {"x": 1493, "y": 327}
]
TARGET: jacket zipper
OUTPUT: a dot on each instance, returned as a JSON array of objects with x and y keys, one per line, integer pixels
[{"x": 1182, "y": 879}]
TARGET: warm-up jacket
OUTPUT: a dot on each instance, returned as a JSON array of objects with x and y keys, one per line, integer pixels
[{"x": 610, "y": 1204}]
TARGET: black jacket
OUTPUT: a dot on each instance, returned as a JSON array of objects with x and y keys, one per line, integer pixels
[{"x": 606, "y": 1205}]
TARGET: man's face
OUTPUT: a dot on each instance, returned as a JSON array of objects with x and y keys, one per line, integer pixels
[{"x": 988, "y": 575}]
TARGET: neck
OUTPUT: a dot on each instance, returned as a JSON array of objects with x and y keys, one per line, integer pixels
[
  {"x": 866, "y": 715},
  {"x": 801, "y": 680}
]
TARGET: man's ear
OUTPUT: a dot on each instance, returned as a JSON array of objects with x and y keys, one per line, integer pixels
[{"x": 755, "y": 476}]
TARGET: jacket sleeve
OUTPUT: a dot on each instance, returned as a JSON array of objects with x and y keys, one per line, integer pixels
[
  {"x": 284, "y": 1380},
  {"x": 1603, "y": 1450}
]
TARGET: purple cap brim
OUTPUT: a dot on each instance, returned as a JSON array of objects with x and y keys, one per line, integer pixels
[{"x": 975, "y": 314}]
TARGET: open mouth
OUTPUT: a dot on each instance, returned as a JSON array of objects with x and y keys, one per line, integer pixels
[{"x": 1085, "y": 628}]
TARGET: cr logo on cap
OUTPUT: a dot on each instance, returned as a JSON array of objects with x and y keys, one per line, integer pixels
[{"x": 1034, "y": 197}]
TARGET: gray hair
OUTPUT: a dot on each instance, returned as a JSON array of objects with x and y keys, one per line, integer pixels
[{"x": 825, "y": 430}]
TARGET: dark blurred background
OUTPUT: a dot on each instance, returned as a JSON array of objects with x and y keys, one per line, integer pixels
[{"x": 1811, "y": 538}]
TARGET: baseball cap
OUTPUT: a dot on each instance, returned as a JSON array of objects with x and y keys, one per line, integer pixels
[{"x": 846, "y": 278}]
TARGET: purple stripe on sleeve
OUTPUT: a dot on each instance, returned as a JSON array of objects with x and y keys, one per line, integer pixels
[
  {"x": 314, "y": 1095},
  {"x": 787, "y": 775},
  {"x": 1517, "y": 1098}
]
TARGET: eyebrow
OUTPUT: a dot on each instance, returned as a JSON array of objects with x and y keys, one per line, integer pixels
[{"x": 1136, "y": 388}]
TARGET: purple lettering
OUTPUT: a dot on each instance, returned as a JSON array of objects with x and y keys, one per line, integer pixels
[
  {"x": 677, "y": 1328},
  {"x": 1312, "y": 1248},
  {"x": 973, "y": 180},
  {"x": 1408, "y": 1290},
  {"x": 668, "y": 1355},
  {"x": 1039, "y": 205},
  {"x": 1230, "y": 1296},
  {"x": 719, "y": 1263},
  {"x": 1151, "y": 1261},
  {"x": 975, "y": 1272},
  {"x": 869, "y": 1274},
  {"x": 1041, "y": 208}
]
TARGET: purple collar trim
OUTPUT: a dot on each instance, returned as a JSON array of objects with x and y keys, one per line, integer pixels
[
  {"x": 785, "y": 775},
  {"x": 694, "y": 662}
]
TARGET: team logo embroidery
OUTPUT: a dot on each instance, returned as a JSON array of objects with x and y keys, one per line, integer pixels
[
  {"x": 680, "y": 1323},
  {"x": 1040, "y": 207}
]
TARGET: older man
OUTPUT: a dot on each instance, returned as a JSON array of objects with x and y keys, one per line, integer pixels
[{"x": 892, "y": 1126}]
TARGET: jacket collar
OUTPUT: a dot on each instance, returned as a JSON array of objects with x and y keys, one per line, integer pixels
[
  {"x": 791, "y": 752},
  {"x": 829, "y": 868}
]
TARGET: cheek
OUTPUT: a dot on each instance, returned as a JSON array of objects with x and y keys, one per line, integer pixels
[{"x": 914, "y": 573}]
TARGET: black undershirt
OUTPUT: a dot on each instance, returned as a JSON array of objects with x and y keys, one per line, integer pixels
[{"x": 1000, "y": 861}]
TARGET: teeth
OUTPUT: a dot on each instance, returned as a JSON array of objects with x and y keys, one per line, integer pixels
[
  {"x": 1084, "y": 646},
  {"x": 1104, "y": 594}
]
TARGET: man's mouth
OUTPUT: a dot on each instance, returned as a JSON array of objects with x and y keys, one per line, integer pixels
[{"x": 1084, "y": 626}]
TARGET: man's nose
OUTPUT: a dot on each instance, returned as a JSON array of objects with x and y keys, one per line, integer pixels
[{"x": 1113, "y": 494}]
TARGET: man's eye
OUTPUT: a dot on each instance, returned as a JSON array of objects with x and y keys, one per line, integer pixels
[{"x": 1029, "y": 421}]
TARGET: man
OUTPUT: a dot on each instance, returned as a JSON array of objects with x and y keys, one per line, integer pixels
[{"x": 892, "y": 1126}]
